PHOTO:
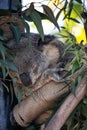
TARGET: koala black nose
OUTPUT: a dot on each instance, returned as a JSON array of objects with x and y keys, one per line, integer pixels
[{"x": 25, "y": 79}]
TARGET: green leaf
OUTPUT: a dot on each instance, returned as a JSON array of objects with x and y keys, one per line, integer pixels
[
  {"x": 85, "y": 100},
  {"x": 4, "y": 73},
  {"x": 16, "y": 31},
  {"x": 2, "y": 38},
  {"x": 30, "y": 93},
  {"x": 42, "y": 15},
  {"x": 14, "y": 80},
  {"x": 75, "y": 66},
  {"x": 9, "y": 65},
  {"x": 50, "y": 15},
  {"x": 19, "y": 94},
  {"x": 73, "y": 19},
  {"x": 84, "y": 125},
  {"x": 79, "y": 80},
  {"x": 29, "y": 10},
  {"x": 37, "y": 21},
  {"x": 2, "y": 51},
  {"x": 30, "y": 128},
  {"x": 73, "y": 88},
  {"x": 70, "y": 8},
  {"x": 79, "y": 1},
  {"x": 28, "y": 18},
  {"x": 27, "y": 29},
  {"x": 63, "y": 9},
  {"x": 58, "y": 14},
  {"x": 69, "y": 47},
  {"x": 5, "y": 86}
]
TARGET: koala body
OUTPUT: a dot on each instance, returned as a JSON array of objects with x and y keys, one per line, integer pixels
[{"x": 33, "y": 61}]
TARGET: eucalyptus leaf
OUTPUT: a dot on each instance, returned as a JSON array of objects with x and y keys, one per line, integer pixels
[
  {"x": 29, "y": 10},
  {"x": 84, "y": 125},
  {"x": 2, "y": 50},
  {"x": 50, "y": 15},
  {"x": 73, "y": 85},
  {"x": 19, "y": 94},
  {"x": 16, "y": 31},
  {"x": 70, "y": 8},
  {"x": 5, "y": 86},
  {"x": 79, "y": 1},
  {"x": 28, "y": 18},
  {"x": 27, "y": 29},
  {"x": 58, "y": 14},
  {"x": 3, "y": 69},
  {"x": 42, "y": 15},
  {"x": 37, "y": 21},
  {"x": 74, "y": 20},
  {"x": 3, "y": 38},
  {"x": 9, "y": 65},
  {"x": 79, "y": 80},
  {"x": 85, "y": 100},
  {"x": 30, "y": 128},
  {"x": 75, "y": 66}
]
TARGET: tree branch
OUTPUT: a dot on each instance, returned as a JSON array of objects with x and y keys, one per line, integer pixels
[{"x": 67, "y": 107}]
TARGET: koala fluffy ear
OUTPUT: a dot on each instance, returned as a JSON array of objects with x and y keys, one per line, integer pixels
[{"x": 47, "y": 39}]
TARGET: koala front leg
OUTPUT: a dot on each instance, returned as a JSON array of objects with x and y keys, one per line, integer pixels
[{"x": 54, "y": 74}]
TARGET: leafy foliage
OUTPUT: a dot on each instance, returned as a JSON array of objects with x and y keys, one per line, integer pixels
[
  {"x": 16, "y": 31},
  {"x": 78, "y": 119}
]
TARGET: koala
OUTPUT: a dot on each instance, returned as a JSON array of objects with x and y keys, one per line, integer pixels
[{"x": 32, "y": 62}]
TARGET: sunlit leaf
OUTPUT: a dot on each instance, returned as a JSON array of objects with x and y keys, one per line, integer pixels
[
  {"x": 50, "y": 15},
  {"x": 74, "y": 20},
  {"x": 70, "y": 8}
]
